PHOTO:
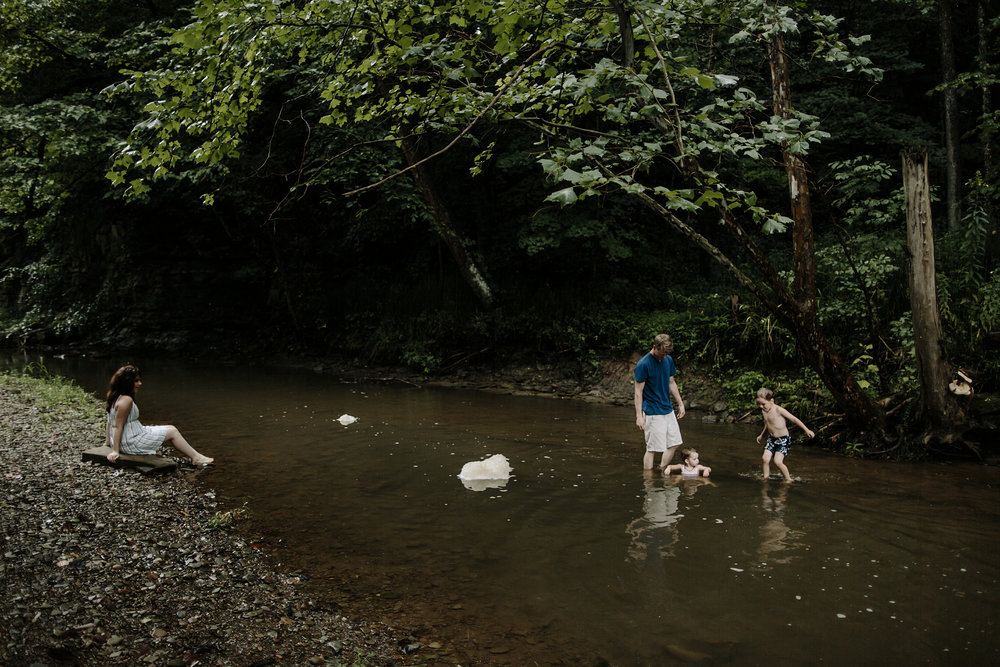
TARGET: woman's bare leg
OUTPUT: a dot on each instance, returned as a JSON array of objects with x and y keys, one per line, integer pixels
[{"x": 175, "y": 438}]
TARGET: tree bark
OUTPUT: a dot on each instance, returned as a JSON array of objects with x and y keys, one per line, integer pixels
[
  {"x": 952, "y": 132},
  {"x": 466, "y": 265},
  {"x": 798, "y": 310},
  {"x": 937, "y": 405},
  {"x": 625, "y": 31},
  {"x": 798, "y": 186},
  {"x": 987, "y": 95}
]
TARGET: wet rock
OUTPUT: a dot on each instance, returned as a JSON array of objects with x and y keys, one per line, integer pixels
[{"x": 409, "y": 647}]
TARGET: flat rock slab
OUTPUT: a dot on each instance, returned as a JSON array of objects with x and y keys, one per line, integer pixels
[{"x": 144, "y": 464}]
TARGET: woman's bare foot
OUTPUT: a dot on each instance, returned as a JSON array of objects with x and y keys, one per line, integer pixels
[{"x": 201, "y": 460}]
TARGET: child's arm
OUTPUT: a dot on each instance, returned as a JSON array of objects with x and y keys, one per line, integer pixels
[
  {"x": 705, "y": 471},
  {"x": 762, "y": 433},
  {"x": 676, "y": 467},
  {"x": 795, "y": 420}
]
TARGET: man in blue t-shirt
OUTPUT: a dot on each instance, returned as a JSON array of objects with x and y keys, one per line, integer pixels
[{"x": 654, "y": 410}]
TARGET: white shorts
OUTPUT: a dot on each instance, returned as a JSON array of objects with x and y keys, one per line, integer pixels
[{"x": 662, "y": 432}]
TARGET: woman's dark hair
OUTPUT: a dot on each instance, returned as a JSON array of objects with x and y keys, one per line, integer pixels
[{"x": 122, "y": 384}]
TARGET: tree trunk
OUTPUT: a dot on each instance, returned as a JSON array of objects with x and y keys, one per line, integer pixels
[
  {"x": 625, "y": 32},
  {"x": 798, "y": 310},
  {"x": 798, "y": 186},
  {"x": 456, "y": 245},
  {"x": 952, "y": 132},
  {"x": 984, "y": 57},
  {"x": 937, "y": 405}
]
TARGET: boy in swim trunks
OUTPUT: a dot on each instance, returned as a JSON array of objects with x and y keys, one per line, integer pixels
[{"x": 776, "y": 429}]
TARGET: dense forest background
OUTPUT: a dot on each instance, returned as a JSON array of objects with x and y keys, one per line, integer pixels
[{"x": 417, "y": 183}]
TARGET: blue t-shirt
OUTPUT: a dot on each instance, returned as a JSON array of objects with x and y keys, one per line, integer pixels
[{"x": 656, "y": 392}]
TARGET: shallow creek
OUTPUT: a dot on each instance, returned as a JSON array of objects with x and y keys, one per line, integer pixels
[{"x": 581, "y": 558}]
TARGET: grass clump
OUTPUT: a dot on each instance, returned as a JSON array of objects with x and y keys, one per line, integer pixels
[
  {"x": 48, "y": 394},
  {"x": 224, "y": 520}
]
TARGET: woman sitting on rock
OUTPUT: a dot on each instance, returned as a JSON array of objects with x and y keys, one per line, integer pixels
[{"x": 126, "y": 434}]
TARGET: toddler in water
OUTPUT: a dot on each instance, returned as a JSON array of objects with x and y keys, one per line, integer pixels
[
  {"x": 776, "y": 429},
  {"x": 690, "y": 467}
]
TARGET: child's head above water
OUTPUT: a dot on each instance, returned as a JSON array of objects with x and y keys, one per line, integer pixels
[
  {"x": 764, "y": 396},
  {"x": 690, "y": 457}
]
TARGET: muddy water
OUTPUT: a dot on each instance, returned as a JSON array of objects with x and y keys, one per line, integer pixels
[{"x": 580, "y": 557}]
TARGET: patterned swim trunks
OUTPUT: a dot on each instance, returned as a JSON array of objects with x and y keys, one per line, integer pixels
[{"x": 779, "y": 445}]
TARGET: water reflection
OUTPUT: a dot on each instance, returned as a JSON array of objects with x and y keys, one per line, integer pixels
[
  {"x": 776, "y": 537},
  {"x": 483, "y": 484},
  {"x": 657, "y": 528}
]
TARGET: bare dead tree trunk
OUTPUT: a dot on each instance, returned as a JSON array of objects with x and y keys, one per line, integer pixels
[
  {"x": 446, "y": 231},
  {"x": 798, "y": 186},
  {"x": 937, "y": 405},
  {"x": 952, "y": 132}
]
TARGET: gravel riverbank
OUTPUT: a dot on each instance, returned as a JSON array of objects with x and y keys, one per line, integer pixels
[{"x": 105, "y": 566}]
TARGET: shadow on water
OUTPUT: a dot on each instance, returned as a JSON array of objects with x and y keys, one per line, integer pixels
[{"x": 581, "y": 557}]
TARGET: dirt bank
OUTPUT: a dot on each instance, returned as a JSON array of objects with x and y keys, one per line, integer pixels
[{"x": 101, "y": 566}]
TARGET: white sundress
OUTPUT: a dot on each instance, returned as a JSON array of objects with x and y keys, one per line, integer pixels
[{"x": 137, "y": 439}]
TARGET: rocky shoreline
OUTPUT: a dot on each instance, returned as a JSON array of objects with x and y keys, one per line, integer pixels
[{"x": 105, "y": 566}]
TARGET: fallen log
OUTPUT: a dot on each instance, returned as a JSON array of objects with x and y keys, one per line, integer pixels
[{"x": 144, "y": 464}]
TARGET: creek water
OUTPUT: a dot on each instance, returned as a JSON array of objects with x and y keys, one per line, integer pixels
[{"x": 581, "y": 558}]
